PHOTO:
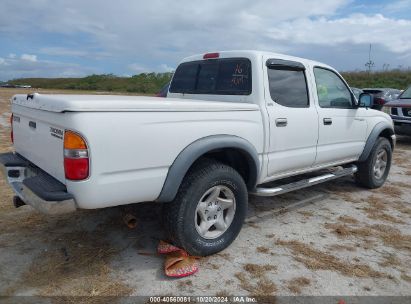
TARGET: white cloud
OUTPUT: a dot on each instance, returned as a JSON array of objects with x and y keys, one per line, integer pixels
[
  {"x": 12, "y": 55},
  {"x": 137, "y": 68},
  {"x": 166, "y": 68},
  {"x": 394, "y": 35},
  {"x": 2, "y": 61},
  {"x": 62, "y": 51},
  {"x": 397, "y": 6},
  {"x": 154, "y": 30},
  {"x": 142, "y": 36},
  {"x": 28, "y": 57},
  {"x": 73, "y": 52}
]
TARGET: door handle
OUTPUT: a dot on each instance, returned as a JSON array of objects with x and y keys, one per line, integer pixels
[
  {"x": 281, "y": 122},
  {"x": 327, "y": 121}
]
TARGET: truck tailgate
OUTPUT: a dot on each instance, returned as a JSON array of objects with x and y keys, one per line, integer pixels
[{"x": 39, "y": 139}]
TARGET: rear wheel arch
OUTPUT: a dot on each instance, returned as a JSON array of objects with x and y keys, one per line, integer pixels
[
  {"x": 231, "y": 150},
  {"x": 209, "y": 209}
]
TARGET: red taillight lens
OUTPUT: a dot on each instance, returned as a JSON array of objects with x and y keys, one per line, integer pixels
[
  {"x": 11, "y": 130},
  {"x": 379, "y": 101},
  {"x": 76, "y": 158},
  {"x": 211, "y": 55},
  {"x": 76, "y": 168}
]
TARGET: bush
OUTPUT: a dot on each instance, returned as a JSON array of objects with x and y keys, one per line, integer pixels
[
  {"x": 389, "y": 79},
  {"x": 148, "y": 83},
  {"x": 151, "y": 83}
]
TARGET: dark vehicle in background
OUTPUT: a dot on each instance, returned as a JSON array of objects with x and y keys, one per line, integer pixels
[
  {"x": 400, "y": 112},
  {"x": 163, "y": 91},
  {"x": 382, "y": 96},
  {"x": 357, "y": 92}
]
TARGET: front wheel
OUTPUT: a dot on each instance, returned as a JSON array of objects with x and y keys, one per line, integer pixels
[
  {"x": 209, "y": 209},
  {"x": 373, "y": 172}
]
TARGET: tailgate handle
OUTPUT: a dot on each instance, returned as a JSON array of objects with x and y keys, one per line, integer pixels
[{"x": 32, "y": 124}]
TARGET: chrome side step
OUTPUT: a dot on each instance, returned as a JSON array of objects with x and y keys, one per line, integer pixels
[{"x": 304, "y": 183}]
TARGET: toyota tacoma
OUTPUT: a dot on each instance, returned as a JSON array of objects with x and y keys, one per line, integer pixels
[{"x": 232, "y": 122}]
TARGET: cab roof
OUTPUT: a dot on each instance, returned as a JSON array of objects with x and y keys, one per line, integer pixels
[{"x": 256, "y": 54}]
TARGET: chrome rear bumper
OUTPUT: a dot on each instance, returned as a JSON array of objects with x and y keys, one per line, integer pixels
[{"x": 35, "y": 187}]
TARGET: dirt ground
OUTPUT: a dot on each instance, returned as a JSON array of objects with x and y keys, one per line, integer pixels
[{"x": 331, "y": 239}]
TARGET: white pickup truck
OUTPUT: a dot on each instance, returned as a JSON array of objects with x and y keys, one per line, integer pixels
[{"x": 232, "y": 121}]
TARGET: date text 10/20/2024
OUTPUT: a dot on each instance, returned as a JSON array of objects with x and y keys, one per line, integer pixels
[{"x": 199, "y": 299}]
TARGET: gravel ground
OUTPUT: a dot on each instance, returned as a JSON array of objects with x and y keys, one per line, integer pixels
[{"x": 332, "y": 239}]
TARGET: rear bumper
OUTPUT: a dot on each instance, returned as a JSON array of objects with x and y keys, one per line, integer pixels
[{"x": 35, "y": 187}]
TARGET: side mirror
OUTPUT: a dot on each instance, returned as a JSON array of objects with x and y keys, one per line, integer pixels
[{"x": 365, "y": 100}]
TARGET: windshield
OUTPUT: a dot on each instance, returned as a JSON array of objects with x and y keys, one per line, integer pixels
[
  {"x": 230, "y": 76},
  {"x": 406, "y": 94}
]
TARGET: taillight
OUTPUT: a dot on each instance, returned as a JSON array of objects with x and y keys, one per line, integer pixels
[
  {"x": 76, "y": 156},
  {"x": 11, "y": 129},
  {"x": 379, "y": 101}
]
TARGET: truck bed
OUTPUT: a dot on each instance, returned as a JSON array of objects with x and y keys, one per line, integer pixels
[{"x": 126, "y": 137}]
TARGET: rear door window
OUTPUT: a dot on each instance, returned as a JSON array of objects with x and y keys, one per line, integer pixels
[
  {"x": 226, "y": 76},
  {"x": 288, "y": 87}
]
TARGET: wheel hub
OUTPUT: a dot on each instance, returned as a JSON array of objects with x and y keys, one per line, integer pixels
[{"x": 215, "y": 212}]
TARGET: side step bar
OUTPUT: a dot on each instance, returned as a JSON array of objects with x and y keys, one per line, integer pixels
[{"x": 304, "y": 183}]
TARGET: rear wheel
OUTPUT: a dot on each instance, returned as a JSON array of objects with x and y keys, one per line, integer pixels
[
  {"x": 209, "y": 209},
  {"x": 373, "y": 172}
]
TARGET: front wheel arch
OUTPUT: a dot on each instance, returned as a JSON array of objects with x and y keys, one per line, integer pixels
[
  {"x": 365, "y": 176},
  {"x": 382, "y": 129}
]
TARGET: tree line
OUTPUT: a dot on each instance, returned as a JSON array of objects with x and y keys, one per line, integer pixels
[
  {"x": 151, "y": 83},
  {"x": 147, "y": 83}
]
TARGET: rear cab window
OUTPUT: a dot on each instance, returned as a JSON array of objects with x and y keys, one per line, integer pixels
[{"x": 223, "y": 76}]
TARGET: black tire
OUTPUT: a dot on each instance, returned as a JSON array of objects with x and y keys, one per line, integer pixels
[
  {"x": 180, "y": 215},
  {"x": 366, "y": 175}
]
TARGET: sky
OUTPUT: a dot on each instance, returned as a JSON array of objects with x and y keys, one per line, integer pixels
[{"x": 73, "y": 38}]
